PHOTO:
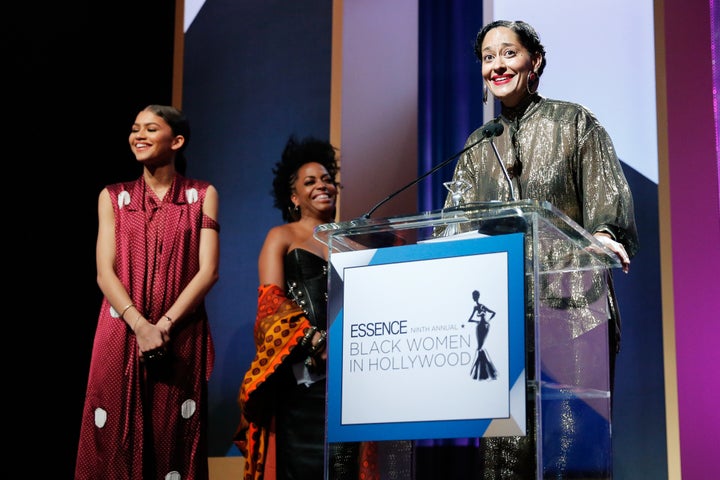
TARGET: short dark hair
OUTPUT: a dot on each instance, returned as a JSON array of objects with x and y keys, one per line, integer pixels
[
  {"x": 296, "y": 154},
  {"x": 527, "y": 34}
]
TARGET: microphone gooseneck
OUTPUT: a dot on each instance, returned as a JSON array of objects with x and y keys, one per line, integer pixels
[
  {"x": 502, "y": 166},
  {"x": 494, "y": 129}
]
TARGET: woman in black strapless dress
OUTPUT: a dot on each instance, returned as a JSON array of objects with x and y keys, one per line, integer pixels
[{"x": 282, "y": 397}]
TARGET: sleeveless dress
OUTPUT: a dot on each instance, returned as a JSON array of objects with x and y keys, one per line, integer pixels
[
  {"x": 141, "y": 420},
  {"x": 300, "y": 408}
]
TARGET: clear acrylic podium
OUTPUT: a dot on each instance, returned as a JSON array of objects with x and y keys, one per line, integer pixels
[{"x": 565, "y": 386}]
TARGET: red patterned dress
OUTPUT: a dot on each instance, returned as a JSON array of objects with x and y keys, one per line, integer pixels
[{"x": 140, "y": 422}]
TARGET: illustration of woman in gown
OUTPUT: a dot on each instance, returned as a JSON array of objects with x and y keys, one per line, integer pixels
[{"x": 483, "y": 367}]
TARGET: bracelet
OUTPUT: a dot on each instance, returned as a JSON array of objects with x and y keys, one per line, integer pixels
[
  {"x": 169, "y": 319},
  {"x": 122, "y": 315},
  {"x": 315, "y": 349},
  {"x": 136, "y": 321},
  {"x": 306, "y": 341}
]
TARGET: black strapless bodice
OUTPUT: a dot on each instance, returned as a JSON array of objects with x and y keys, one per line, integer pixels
[{"x": 306, "y": 283}]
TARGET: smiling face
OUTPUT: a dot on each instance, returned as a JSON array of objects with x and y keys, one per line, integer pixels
[
  {"x": 152, "y": 140},
  {"x": 506, "y": 64},
  {"x": 315, "y": 192}
]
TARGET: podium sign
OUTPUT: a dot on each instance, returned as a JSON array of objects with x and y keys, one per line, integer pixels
[
  {"x": 411, "y": 356},
  {"x": 484, "y": 320}
]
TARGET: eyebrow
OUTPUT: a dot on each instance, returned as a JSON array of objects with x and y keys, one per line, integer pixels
[
  {"x": 504, "y": 44},
  {"x": 317, "y": 176}
]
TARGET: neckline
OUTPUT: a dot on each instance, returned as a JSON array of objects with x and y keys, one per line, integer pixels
[
  {"x": 308, "y": 252},
  {"x": 514, "y": 114}
]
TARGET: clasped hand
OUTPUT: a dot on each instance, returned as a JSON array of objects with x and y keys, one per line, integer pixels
[{"x": 153, "y": 339}]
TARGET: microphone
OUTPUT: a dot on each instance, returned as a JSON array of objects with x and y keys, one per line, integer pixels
[{"x": 494, "y": 129}]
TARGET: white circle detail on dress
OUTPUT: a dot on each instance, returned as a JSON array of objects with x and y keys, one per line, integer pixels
[
  {"x": 100, "y": 417},
  {"x": 187, "y": 409}
]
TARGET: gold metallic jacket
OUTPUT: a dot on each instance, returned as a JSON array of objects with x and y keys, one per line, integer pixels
[{"x": 556, "y": 151}]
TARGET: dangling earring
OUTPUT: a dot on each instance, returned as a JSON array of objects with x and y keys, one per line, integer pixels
[
  {"x": 532, "y": 78},
  {"x": 294, "y": 211},
  {"x": 485, "y": 94}
]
